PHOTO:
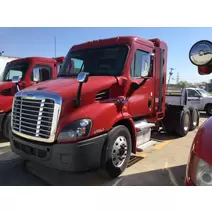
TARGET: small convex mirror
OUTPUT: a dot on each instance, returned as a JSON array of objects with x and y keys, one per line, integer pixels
[
  {"x": 16, "y": 79},
  {"x": 82, "y": 77},
  {"x": 36, "y": 74},
  {"x": 200, "y": 53}
]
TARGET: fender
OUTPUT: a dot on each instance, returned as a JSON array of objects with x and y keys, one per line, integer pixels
[
  {"x": 6, "y": 103},
  {"x": 202, "y": 143}
]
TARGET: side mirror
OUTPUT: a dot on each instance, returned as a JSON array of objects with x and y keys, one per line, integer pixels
[
  {"x": 82, "y": 77},
  {"x": 36, "y": 75},
  {"x": 16, "y": 79},
  {"x": 200, "y": 53},
  {"x": 147, "y": 72}
]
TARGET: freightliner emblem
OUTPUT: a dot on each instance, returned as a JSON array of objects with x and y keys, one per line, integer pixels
[{"x": 29, "y": 96}]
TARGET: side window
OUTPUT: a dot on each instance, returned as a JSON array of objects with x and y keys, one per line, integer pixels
[
  {"x": 141, "y": 64},
  {"x": 58, "y": 68},
  {"x": 192, "y": 93},
  {"x": 74, "y": 66},
  {"x": 77, "y": 65},
  {"x": 45, "y": 72}
]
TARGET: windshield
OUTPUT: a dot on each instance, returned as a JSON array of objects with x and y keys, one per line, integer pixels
[
  {"x": 203, "y": 92},
  {"x": 104, "y": 61},
  {"x": 16, "y": 69}
]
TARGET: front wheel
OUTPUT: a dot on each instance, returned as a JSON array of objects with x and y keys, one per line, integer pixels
[
  {"x": 7, "y": 127},
  {"x": 209, "y": 110},
  {"x": 117, "y": 151}
]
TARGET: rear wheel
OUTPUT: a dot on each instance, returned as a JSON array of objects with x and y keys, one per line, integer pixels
[
  {"x": 194, "y": 122},
  {"x": 117, "y": 151},
  {"x": 184, "y": 126},
  {"x": 209, "y": 110},
  {"x": 7, "y": 126}
]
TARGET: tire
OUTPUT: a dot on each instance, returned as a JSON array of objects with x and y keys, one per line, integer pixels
[
  {"x": 194, "y": 122},
  {"x": 7, "y": 127},
  {"x": 118, "y": 141},
  {"x": 208, "y": 110},
  {"x": 184, "y": 126}
]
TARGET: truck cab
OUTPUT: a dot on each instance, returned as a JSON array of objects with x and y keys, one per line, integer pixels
[
  {"x": 191, "y": 97},
  {"x": 107, "y": 98},
  {"x": 199, "y": 166},
  {"x": 23, "y": 69}
]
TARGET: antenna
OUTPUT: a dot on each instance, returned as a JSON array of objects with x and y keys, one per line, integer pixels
[
  {"x": 178, "y": 78},
  {"x": 55, "y": 46}
]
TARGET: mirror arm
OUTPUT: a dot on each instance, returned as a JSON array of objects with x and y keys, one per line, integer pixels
[
  {"x": 78, "y": 96},
  {"x": 137, "y": 86},
  {"x": 17, "y": 86},
  {"x": 143, "y": 82}
]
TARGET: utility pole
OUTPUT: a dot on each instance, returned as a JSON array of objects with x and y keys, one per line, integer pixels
[
  {"x": 178, "y": 78},
  {"x": 1, "y": 52},
  {"x": 55, "y": 46},
  {"x": 170, "y": 74}
]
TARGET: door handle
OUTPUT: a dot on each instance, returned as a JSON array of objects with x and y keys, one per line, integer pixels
[{"x": 149, "y": 102}]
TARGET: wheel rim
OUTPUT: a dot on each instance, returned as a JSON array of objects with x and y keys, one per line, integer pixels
[
  {"x": 210, "y": 110},
  {"x": 119, "y": 151},
  {"x": 194, "y": 118},
  {"x": 186, "y": 122}
]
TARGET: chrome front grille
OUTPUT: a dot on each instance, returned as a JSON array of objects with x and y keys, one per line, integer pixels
[{"x": 35, "y": 118}]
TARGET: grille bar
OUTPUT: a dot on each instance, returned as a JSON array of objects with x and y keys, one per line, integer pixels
[
  {"x": 31, "y": 115},
  {"x": 35, "y": 102},
  {"x": 29, "y": 119},
  {"x": 41, "y": 125}
]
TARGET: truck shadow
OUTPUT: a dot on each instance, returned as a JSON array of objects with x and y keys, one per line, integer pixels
[
  {"x": 172, "y": 176},
  {"x": 15, "y": 172},
  {"x": 204, "y": 115},
  {"x": 163, "y": 136}
]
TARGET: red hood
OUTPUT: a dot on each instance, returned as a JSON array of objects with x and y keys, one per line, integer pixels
[
  {"x": 6, "y": 85},
  {"x": 68, "y": 86}
]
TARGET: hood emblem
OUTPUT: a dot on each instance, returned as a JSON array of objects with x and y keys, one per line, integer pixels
[{"x": 29, "y": 96}]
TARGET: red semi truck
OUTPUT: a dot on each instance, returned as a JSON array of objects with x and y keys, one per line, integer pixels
[
  {"x": 19, "y": 74},
  {"x": 199, "y": 167},
  {"x": 108, "y": 96}
]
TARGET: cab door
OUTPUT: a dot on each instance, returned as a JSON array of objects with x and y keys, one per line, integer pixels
[
  {"x": 194, "y": 99},
  {"x": 140, "y": 101}
]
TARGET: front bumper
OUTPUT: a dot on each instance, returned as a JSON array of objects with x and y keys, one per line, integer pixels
[
  {"x": 71, "y": 157},
  {"x": 2, "y": 115}
]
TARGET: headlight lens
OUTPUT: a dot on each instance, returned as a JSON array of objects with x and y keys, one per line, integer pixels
[
  {"x": 76, "y": 130},
  {"x": 201, "y": 172}
]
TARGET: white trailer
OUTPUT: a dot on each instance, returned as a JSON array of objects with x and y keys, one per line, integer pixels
[{"x": 3, "y": 61}]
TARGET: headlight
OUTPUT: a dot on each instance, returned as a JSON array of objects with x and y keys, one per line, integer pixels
[
  {"x": 75, "y": 130},
  {"x": 201, "y": 172}
]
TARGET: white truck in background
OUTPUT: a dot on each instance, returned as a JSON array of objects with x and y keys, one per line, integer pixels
[
  {"x": 3, "y": 61},
  {"x": 195, "y": 97}
]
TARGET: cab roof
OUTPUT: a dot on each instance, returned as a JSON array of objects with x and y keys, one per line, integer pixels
[
  {"x": 42, "y": 59},
  {"x": 128, "y": 40}
]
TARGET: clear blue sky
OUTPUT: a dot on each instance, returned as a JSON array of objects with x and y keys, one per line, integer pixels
[{"x": 40, "y": 42}]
